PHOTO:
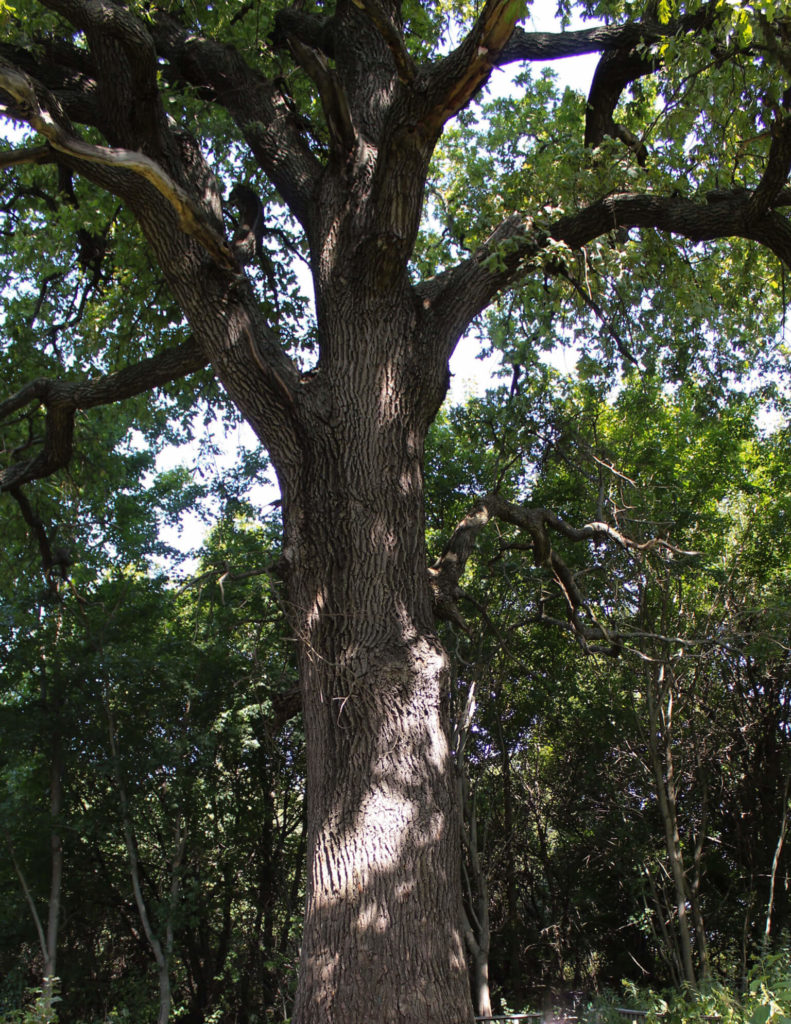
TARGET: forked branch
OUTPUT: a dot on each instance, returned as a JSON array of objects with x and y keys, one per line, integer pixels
[{"x": 539, "y": 525}]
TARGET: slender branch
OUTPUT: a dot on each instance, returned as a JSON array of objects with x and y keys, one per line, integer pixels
[
  {"x": 775, "y": 862},
  {"x": 593, "y": 305},
  {"x": 50, "y": 557},
  {"x": 538, "y": 524},
  {"x": 32, "y": 155}
]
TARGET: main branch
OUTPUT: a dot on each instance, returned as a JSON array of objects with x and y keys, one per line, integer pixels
[
  {"x": 454, "y": 298},
  {"x": 261, "y": 108}
]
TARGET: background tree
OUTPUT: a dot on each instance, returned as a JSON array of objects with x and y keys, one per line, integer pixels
[
  {"x": 593, "y": 775},
  {"x": 125, "y": 278}
]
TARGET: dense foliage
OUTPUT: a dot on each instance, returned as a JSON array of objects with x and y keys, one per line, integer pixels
[{"x": 620, "y": 697}]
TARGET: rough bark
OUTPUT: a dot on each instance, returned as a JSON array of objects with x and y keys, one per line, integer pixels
[{"x": 382, "y": 933}]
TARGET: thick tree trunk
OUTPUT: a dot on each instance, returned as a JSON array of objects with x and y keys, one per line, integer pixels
[{"x": 382, "y": 936}]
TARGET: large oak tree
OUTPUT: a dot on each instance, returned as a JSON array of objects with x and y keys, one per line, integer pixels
[{"x": 336, "y": 113}]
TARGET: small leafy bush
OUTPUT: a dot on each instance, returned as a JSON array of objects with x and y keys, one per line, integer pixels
[{"x": 39, "y": 1008}]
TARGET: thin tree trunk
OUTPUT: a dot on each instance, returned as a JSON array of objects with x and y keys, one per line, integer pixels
[
  {"x": 512, "y": 911},
  {"x": 668, "y": 944},
  {"x": 48, "y": 941},
  {"x": 700, "y": 841},
  {"x": 48, "y": 980},
  {"x": 56, "y": 874},
  {"x": 665, "y": 786},
  {"x": 775, "y": 862},
  {"x": 161, "y": 955}
]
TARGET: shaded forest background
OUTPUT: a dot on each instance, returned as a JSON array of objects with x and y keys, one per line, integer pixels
[{"x": 149, "y": 719}]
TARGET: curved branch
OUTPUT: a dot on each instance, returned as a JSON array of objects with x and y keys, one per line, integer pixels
[
  {"x": 692, "y": 219},
  {"x": 62, "y": 399},
  {"x": 624, "y": 59},
  {"x": 451, "y": 300},
  {"x": 615, "y": 70},
  {"x": 623, "y": 64},
  {"x": 22, "y": 89}
]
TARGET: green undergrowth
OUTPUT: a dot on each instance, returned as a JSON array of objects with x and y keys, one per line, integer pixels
[{"x": 766, "y": 999}]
